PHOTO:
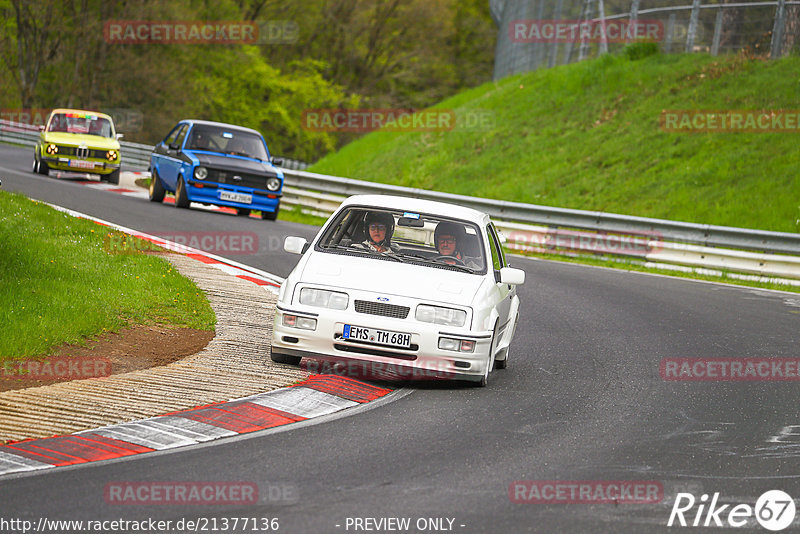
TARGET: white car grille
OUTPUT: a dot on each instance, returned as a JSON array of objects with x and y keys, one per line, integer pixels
[{"x": 381, "y": 308}]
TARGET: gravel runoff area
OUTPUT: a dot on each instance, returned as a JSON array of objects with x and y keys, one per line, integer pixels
[{"x": 234, "y": 364}]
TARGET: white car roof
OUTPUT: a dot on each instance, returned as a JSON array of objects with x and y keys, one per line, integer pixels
[{"x": 417, "y": 205}]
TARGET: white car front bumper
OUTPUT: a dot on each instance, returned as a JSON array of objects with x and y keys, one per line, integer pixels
[{"x": 424, "y": 360}]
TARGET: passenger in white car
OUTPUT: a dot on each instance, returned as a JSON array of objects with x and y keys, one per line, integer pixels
[{"x": 378, "y": 227}]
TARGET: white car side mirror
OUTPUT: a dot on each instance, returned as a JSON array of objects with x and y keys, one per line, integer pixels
[
  {"x": 295, "y": 245},
  {"x": 510, "y": 275}
]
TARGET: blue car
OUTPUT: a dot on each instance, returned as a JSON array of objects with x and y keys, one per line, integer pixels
[{"x": 219, "y": 164}]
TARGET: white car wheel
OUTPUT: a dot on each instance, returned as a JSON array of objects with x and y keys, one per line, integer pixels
[
  {"x": 502, "y": 364},
  {"x": 489, "y": 361}
]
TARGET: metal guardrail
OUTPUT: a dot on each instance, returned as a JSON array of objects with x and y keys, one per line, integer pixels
[
  {"x": 135, "y": 156},
  {"x": 648, "y": 249},
  {"x": 550, "y": 229},
  {"x": 597, "y": 221}
]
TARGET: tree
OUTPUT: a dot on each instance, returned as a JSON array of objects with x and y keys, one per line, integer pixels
[{"x": 30, "y": 39}]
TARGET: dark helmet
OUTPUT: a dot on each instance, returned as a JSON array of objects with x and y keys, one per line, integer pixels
[
  {"x": 380, "y": 217},
  {"x": 449, "y": 228}
]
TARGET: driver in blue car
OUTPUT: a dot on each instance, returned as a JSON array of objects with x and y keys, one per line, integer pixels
[
  {"x": 449, "y": 237},
  {"x": 378, "y": 227}
]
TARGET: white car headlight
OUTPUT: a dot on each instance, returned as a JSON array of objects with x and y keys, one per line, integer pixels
[
  {"x": 322, "y": 298},
  {"x": 441, "y": 315}
]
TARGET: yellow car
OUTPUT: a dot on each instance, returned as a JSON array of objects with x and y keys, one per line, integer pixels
[{"x": 75, "y": 140}]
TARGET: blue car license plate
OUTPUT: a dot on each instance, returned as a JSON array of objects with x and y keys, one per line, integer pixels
[{"x": 242, "y": 198}]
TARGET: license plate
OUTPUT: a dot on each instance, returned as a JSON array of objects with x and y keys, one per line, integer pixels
[
  {"x": 242, "y": 198},
  {"x": 80, "y": 164},
  {"x": 373, "y": 335}
]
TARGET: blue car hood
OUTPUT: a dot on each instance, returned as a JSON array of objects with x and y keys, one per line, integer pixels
[{"x": 236, "y": 164}]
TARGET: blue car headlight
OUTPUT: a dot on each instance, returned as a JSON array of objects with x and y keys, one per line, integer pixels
[{"x": 201, "y": 173}]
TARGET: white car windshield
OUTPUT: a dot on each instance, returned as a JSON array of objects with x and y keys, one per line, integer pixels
[
  {"x": 420, "y": 239},
  {"x": 80, "y": 123}
]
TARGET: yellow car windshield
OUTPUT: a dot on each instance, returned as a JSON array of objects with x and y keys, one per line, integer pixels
[{"x": 80, "y": 123}]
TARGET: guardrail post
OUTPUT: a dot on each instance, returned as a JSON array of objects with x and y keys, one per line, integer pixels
[
  {"x": 691, "y": 33},
  {"x": 634, "y": 15},
  {"x": 603, "y": 38},
  {"x": 777, "y": 30},
  {"x": 584, "y": 49},
  {"x": 540, "y": 52},
  {"x": 554, "y": 46},
  {"x": 670, "y": 33},
  {"x": 717, "y": 32}
]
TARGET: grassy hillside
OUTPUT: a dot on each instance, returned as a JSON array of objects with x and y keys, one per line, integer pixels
[{"x": 587, "y": 136}]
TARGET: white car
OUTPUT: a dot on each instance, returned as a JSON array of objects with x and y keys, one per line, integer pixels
[{"x": 400, "y": 287}]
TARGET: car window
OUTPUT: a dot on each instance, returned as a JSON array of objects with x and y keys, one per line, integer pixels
[
  {"x": 422, "y": 239},
  {"x": 498, "y": 258},
  {"x": 80, "y": 123},
  {"x": 173, "y": 135},
  {"x": 181, "y": 135},
  {"x": 227, "y": 141}
]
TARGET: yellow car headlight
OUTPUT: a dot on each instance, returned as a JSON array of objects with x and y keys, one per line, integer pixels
[
  {"x": 111, "y": 155},
  {"x": 52, "y": 149}
]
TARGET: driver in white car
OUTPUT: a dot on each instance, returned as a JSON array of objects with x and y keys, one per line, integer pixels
[{"x": 449, "y": 237}]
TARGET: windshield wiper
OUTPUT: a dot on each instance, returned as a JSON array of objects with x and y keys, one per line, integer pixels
[
  {"x": 416, "y": 257},
  {"x": 349, "y": 249},
  {"x": 390, "y": 255}
]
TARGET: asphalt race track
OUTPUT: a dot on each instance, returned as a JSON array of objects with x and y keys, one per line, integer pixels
[{"x": 581, "y": 400}]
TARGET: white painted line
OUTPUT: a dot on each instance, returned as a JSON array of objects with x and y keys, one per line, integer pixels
[
  {"x": 196, "y": 430},
  {"x": 235, "y": 271},
  {"x": 250, "y": 270},
  {"x": 302, "y": 401},
  {"x": 136, "y": 195},
  {"x": 10, "y": 463},
  {"x": 144, "y": 434}
]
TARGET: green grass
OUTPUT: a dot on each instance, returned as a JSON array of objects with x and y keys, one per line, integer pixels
[
  {"x": 61, "y": 284},
  {"x": 587, "y": 136},
  {"x": 295, "y": 214}
]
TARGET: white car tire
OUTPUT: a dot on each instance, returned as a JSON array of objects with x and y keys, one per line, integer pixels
[{"x": 484, "y": 381}]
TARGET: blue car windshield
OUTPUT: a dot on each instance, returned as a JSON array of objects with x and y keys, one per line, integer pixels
[{"x": 235, "y": 142}]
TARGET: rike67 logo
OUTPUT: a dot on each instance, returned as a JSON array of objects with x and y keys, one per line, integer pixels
[{"x": 774, "y": 510}]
